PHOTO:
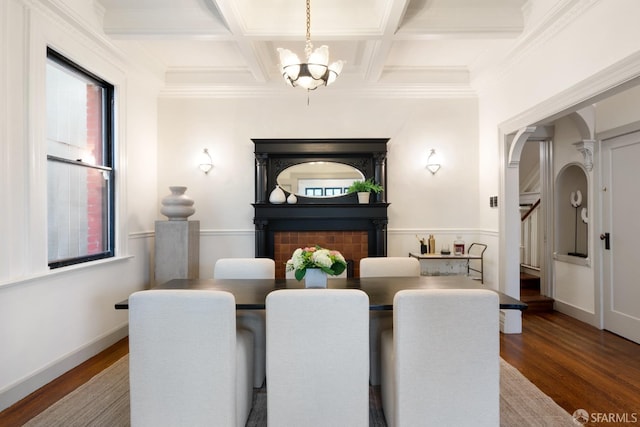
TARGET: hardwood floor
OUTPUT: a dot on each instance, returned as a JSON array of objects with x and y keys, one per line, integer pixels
[
  {"x": 577, "y": 365},
  {"x": 41, "y": 399}
]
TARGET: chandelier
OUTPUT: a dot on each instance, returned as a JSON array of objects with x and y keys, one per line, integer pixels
[{"x": 316, "y": 71}]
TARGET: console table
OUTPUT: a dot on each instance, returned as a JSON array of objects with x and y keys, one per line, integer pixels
[{"x": 449, "y": 264}]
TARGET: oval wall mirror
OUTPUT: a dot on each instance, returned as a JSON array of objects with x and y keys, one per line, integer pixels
[{"x": 318, "y": 179}]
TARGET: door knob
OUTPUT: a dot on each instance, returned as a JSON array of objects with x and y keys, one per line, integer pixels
[{"x": 607, "y": 240}]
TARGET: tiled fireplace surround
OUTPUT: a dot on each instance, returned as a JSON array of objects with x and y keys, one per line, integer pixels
[{"x": 352, "y": 244}]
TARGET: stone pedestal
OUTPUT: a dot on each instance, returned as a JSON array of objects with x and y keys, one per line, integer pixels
[{"x": 177, "y": 250}]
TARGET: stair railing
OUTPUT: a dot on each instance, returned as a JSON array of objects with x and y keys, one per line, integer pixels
[{"x": 529, "y": 242}]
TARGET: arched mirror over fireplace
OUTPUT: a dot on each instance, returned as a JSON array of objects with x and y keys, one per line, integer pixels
[{"x": 330, "y": 216}]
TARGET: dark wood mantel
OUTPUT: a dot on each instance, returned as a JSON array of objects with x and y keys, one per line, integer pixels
[
  {"x": 336, "y": 214},
  {"x": 270, "y": 218}
]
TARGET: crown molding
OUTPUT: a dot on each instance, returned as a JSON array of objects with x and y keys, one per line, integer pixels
[
  {"x": 396, "y": 82},
  {"x": 72, "y": 22},
  {"x": 490, "y": 70},
  {"x": 410, "y": 91},
  {"x": 615, "y": 78}
]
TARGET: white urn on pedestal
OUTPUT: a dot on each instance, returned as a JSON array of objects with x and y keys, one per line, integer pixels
[
  {"x": 177, "y": 241},
  {"x": 177, "y": 206}
]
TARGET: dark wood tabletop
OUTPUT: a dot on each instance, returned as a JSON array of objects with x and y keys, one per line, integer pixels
[{"x": 250, "y": 294}]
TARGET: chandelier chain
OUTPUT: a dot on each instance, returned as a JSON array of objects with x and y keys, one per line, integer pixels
[{"x": 308, "y": 48}]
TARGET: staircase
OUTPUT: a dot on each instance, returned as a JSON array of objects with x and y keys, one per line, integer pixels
[{"x": 530, "y": 293}]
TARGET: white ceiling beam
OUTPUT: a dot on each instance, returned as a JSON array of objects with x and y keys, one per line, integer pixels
[
  {"x": 231, "y": 16},
  {"x": 184, "y": 19},
  {"x": 380, "y": 49}
]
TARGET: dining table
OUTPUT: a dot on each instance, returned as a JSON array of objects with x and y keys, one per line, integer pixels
[{"x": 251, "y": 294}]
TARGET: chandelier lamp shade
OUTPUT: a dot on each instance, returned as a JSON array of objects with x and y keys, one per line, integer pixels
[{"x": 316, "y": 71}]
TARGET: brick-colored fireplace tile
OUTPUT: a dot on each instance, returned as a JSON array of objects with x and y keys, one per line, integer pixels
[{"x": 352, "y": 244}]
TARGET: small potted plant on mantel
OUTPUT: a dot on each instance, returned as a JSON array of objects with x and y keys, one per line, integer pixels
[{"x": 364, "y": 189}]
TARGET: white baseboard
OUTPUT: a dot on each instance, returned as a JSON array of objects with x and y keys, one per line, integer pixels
[
  {"x": 534, "y": 271},
  {"x": 22, "y": 388},
  {"x": 577, "y": 313}
]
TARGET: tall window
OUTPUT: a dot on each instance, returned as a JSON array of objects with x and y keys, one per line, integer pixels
[{"x": 80, "y": 175}]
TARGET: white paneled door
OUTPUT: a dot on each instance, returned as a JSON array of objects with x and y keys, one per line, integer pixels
[{"x": 621, "y": 220}]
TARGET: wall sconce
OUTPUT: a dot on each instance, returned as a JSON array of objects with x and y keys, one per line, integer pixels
[
  {"x": 206, "y": 162},
  {"x": 433, "y": 162}
]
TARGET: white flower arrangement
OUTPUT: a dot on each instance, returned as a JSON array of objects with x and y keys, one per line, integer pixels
[{"x": 329, "y": 261}]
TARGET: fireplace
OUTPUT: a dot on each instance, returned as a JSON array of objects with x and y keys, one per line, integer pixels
[
  {"x": 299, "y": 225},
  {"x": 340, "y": 223}
]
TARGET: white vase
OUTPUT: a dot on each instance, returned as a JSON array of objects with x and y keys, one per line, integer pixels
[
  {"x": 292, "y": 199},
  {"x": 315, "y": 278},
  {"x": 177, "y": 206},
  {"x": 363, "y": 197},
  {"x": 277, "y": 196}
]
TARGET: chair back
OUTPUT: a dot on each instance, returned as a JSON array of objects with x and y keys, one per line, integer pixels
[
  {"x": 446, "y": 363},
  {"x": 317, "y": 357},
  {"x": 252, "y": 320},
  {"x": 244, "y": 268},
  {"x": 182, "y": 358},
  {"x": 381, "y": 320},
  {"x": 389, "y": 267}
]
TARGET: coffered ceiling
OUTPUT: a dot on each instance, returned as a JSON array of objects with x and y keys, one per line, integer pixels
[{"x": 394, "y": 45}]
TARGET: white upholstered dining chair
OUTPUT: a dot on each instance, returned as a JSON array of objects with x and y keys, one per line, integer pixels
[
  {"x": 188, "y": 363},
  {"x": 384, "y": 267},
  {"x": 253, "y": 320},
  {"x": 317, "y": 358},
  {"x": 389, "y": 267},
  {"x": 441, "y": 362}
]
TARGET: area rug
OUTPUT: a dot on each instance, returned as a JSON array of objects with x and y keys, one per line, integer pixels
[{"x": 104, "y": 401}]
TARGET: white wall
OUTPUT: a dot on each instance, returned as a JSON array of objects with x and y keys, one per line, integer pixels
[
  {"x": 568, "y": 53},
  {"x": 618, "y": 110},
  {"x": 53, "y": 320},
  {"x": 543, "y": 73},
  {"x": 574, "y": 284},
  {"x": 443, "y": 204},
  {"x": 549, "y": 60}
]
